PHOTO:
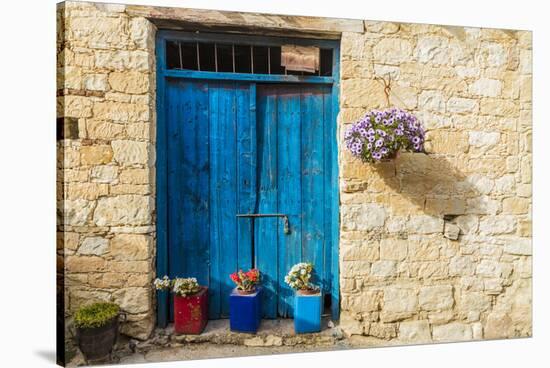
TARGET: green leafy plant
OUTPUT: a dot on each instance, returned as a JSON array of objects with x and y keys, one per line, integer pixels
[
  {"x": 299, "y": 277},
  {"x": 179, "y": 286},
  {"x": 96, "y": 315}
]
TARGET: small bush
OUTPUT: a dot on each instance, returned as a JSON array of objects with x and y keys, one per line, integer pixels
[{"x": 96, "y": 315}]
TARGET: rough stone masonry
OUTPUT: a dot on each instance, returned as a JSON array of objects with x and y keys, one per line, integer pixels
[{"x": 433, "y": 247}]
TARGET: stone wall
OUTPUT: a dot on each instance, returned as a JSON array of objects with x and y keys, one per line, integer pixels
[
  {"x": 106, "y": 114},
  {"x": 433, "y": 247},
  {"x": 437, "y": 247}
]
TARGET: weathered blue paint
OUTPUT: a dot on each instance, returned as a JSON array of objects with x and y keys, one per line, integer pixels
[{"x": 227, "y": 145}]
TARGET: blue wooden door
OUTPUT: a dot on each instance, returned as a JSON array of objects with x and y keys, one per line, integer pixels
[{"x": 237, "y": 147}]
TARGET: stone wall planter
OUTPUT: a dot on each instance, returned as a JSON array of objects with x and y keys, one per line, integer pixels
[
  {"x": 307, "y": 312},
  {"x": 245, "y": 311},
  {"x": 191, "y": 312}
]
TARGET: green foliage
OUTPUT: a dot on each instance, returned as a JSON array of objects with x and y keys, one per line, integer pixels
[{"x": 95, "y": 315}]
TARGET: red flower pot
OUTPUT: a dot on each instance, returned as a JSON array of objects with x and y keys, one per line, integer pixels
[{"x": 191, "y": 312}]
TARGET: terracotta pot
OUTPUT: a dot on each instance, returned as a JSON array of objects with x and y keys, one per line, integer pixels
[
  {"x": 246, "y": 292},
  {"x": 308, "y": 291}
]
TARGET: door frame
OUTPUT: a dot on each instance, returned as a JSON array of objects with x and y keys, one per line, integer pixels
[{"x": 162, "y": 73}]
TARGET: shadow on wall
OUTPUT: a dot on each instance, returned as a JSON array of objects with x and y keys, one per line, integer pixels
[{"x": 433, "y": 184}]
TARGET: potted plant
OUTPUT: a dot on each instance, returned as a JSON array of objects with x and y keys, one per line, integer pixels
[
  {"x": 379, "y": 135},
  {"x": 245, "y": 301},
  {"x": 190, "y": 303},
  {"x": 97, "y": 330},
  {"x": 308, "y": 300}
]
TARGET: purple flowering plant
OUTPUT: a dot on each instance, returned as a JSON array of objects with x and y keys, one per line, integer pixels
[{"x": 378, "y": 135}]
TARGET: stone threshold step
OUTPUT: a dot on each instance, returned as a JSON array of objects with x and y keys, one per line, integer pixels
[{"x": 276, "y": 332}]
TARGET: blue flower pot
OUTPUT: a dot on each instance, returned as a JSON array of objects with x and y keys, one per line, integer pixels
[
  {"x": 245, "y": 311},
  {"x": 307, "y": 312}
]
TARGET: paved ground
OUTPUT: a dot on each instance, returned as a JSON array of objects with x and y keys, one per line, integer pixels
[{"x": 217, "y": 341}]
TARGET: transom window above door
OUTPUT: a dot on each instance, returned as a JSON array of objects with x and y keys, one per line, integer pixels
[{"x": 237, "y": 58}]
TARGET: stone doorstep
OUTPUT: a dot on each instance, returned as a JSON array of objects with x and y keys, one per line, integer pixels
[{"x": 277, "y": 332}]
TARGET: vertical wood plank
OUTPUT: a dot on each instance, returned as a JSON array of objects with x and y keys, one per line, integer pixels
[
  {"x": 312, "y": 190},
  {"x": 246, "y": 170},
  {"x": 215, "y": 147},
  {"x": 289, "y": 183},
  {"x": 267, "y": 228},
  {"x": 226, "y": 188}
]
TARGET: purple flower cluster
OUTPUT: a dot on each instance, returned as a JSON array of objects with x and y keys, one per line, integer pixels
[{"x": 380, "y": 134}]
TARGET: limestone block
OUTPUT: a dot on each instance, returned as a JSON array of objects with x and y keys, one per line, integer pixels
[
  {"x": 415, "y": 332},
  {"x": 505, "y": 184},
  {"x": 468, "y": 223},
  {"x": 423, "y": 250},
  {"x": 492, "y": 54},
  {"x": 133, "y": 300},
  {"x": 349, "y": 325},
  {"x": 525, "y": 228},
  {"x": 99, "y": 129},
  {"x": 515, "y": 205},
  {"x": 362, "y": 252},
  {"x": 392, "y": 50},
  {"x": 483, "y": 139},
  {"x": 454, "y": 331},
  {"x": 462, "y": 266},
  {"x": 446, "y": 142},
  {"x": 95, "y": 82},
  {"x": 399, "y": 303},
  {"x": 482, "y": 205},
  {"x": 500, "y": 224},
  {"x": 467, "y": 71},
  {"x": 353, "y": 45},
  {"x": 462, "y": 105},
  {"x": 383, "y": 268},
  {"x": 139, "y": 326},
  {"x": 122, "y": 60},
  {"x": 123, "y": 210},
  {"x": 125, "y": 112},
  {"x": 76, "y": 106},
  {"x": 141, "y": 30},
  {"x": 383, "y": 330},
  {"x": 134, "y": 176},
  {"x": 489, "y": 268},
  {"x": 130, "y": 152},
  {"x": 486, "y": 87},
  {"x": 104, "y": 174},
  {"x": 436, "y": 297},
  {"x": 89, "y": 191},
  {"x": 499, "y": 325},
  {"x": 477, "y": 331},
  {"x": 80, "y": 264},
  {"x": 129, "y": 82},
  {"x": 142, "y": 267},
  {"x": 499, "y": 107},
  {"x": 481, "y": 183},
  {"x": 362, "y": 93},
  {"x": 93, "y": 246},
  {"x": 77, "y": 212},
  {"x": 133, "y": 247},
  {"x": 393, "y": 249},
  {"x": 433, "y": 49},
  {"x": 98, "y": 30},
  {"x": 367, "y": 216},
  {"x": 366, "y": 301},
  {"x": 526, "y": 61},
  {"x": 474, "y": 301},
  {"x": 425, "y": 224},
  {"x": 432, "y": 101},
  {"x": 519, "y": 246},
  {"x": 452, "y": 231},
  {"x": 96, "y": 154}
]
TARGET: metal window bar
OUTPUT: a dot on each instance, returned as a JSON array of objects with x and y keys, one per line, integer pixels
[
  {"x": 251, "y": 59},
  {"x": 181, "y": 57},
  {"x": 269, "y": 60},
  {"x": 233, "y": 55},
  {"x": 198, "y": 58},
  {"x": 216, "y": 56}
]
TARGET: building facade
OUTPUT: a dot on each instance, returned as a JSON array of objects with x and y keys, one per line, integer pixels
[{"x": 431, "y": 247}]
